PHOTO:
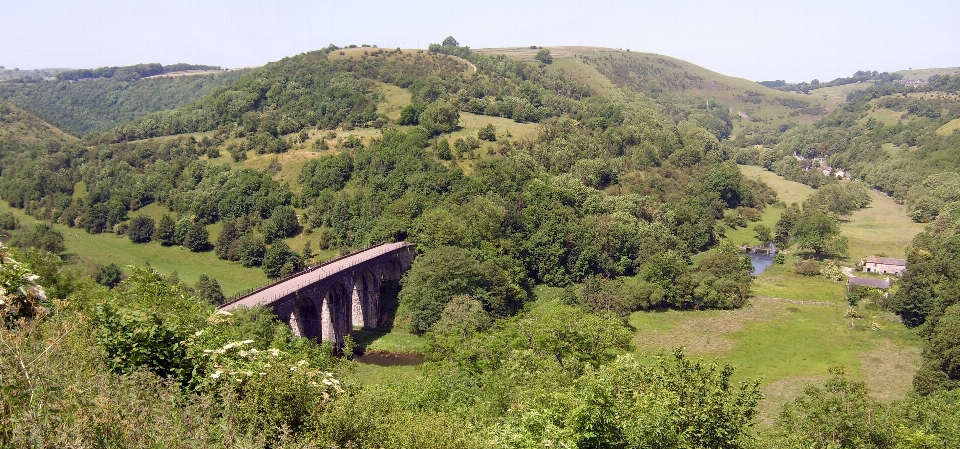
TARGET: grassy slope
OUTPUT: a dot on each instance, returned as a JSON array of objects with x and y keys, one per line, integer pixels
[
  {"x": 111, "y": 248},
  {"x": 949, "y": 128},
  {"x": 788, "y": 191},
  {"x": 725, "y": 90},
  {"x": 923, "y": 74},
  {"x": 883, "y": 227}
]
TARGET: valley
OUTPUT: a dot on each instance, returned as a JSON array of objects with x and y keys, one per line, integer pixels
[{"x": 576, "y": 217}]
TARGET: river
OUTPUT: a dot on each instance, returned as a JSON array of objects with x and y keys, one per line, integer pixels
[{"x": 761, "y": 261}]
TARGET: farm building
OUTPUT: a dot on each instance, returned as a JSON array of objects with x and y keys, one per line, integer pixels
[{"x": 884, "y": 265}]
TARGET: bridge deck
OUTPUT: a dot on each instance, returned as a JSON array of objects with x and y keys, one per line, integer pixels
[{"x": 314, "y": 275}]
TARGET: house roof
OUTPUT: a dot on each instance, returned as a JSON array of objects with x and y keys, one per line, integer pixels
[
  {"x": 887, "y": 260},
  {"x": 868, "y": 282}
]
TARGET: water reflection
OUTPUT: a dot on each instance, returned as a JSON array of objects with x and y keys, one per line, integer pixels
[{"x": 762, "y": 260}]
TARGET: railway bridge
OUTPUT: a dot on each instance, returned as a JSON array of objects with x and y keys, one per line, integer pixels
[{"x": 325, "y": 301}]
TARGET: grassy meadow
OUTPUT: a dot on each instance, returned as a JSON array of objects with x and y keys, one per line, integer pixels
[
  {"x": 109, "y": 248},
  {"x": 883, "y": 227}
]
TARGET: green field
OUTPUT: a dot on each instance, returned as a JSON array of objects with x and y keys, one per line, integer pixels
[
  {"x": 787, "y": 344},
  {"x": 109, "y": 248},
  {"x": 834, "y": 96},
  {"x": 883, "y": 227},
  {"x": 787, "y": 191}
]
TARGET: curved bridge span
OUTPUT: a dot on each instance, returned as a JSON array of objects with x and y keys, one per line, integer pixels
[{"x": 325, "y": 301}]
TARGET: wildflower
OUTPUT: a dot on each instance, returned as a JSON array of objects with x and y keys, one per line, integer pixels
[
  {"x": 217, "y": 374},
  {"x": 198, "y": 333},
  {"x": 223, "y": 312},
  {"x": 246, "y": 342},
  {"x": 274, "y": 352},
  {"x": 229, "y": 346},
  {"x": 243, "y": 353},
  {"x": 301, "y": 363}
]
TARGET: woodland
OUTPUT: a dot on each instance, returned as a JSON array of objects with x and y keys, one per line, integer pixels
[{"x": 512, "y": 177}]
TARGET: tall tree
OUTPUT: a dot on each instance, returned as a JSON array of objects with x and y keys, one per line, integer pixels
[
  {"x": 164, "y": 232},
  {"x": 197, "y": 238},
  {"x": 450, "y": 42},
  {"x": 818, "y": 231},
  {"x": 228, "y": 234},
  {"x": 141, "y": 229}
]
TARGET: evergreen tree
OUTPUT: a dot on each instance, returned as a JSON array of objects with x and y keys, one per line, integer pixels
[
  {"x": 307, "y": 252},
  {"x": 164, "y": 231},
  {"x": 228, "y": 235}
]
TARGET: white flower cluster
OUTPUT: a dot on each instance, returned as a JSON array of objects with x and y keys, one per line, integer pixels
[{"x": 18, "y": 285}]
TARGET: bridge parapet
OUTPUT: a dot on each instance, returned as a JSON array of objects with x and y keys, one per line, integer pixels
[{"x": 326, "y": 300}]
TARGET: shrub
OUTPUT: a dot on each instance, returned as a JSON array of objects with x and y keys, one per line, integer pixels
[
  {"x": 488, "y": 133},
  {"x": 807, "y": 267}
]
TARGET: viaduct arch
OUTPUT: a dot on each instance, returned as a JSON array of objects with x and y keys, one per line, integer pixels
[{"x": 326, "y": 301}]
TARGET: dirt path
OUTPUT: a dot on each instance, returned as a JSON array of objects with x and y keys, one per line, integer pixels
[{"x": 465, "y": 61}]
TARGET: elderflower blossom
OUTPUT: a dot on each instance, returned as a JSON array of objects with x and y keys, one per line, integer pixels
[
  {"x": 217, "y": 374},
  {"x": 274, "y": 352},
  {"x": 246, "y": 342}
]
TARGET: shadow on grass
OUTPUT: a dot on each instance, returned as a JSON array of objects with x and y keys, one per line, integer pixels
[{"x": 389, "y": 292}]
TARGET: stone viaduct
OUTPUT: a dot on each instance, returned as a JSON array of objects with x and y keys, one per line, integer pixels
[{"x": 326, "y": 301}]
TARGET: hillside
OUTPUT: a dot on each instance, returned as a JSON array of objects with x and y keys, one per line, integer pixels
[
  {"x": 97, "y": 105},
  {"x": 17, "y": 75},
  {"x": 900, "y": 139},
  {"x": 19, "y": 127},
  {"x": 683, "y": 87}
]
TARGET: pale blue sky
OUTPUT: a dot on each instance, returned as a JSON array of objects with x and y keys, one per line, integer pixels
[{"x": 758, "y": 40}]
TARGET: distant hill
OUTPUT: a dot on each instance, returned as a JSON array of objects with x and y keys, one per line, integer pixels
[
  {"x": 685, "y": 89},
  {"x": 20, "y": 127},
  {"x": 334, "y": 87},
  {"x": 901, "y": 138},
  {"x": 33, "y": 75},
  {"x": 925, "y": 74},
  {"x": 96, "y": 105}
]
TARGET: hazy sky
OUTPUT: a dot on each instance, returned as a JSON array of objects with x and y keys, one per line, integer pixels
[{"x": 760, "y": 40}]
